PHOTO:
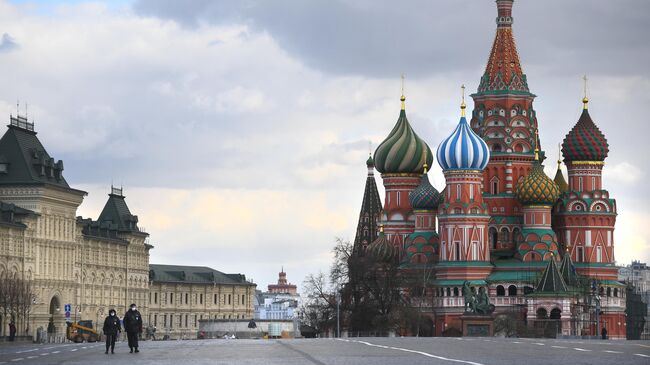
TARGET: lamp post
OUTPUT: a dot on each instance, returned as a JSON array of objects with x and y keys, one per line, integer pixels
[{"x": 338, "y": 313}]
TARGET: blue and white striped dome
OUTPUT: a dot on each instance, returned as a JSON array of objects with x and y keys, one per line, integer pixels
[{"x": 463, "y": 149}]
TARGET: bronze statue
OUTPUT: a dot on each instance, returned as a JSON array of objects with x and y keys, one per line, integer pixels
[{"x": 476, "y": 303}]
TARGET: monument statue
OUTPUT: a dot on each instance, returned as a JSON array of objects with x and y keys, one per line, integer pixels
[{"x": 476, "y": 303}]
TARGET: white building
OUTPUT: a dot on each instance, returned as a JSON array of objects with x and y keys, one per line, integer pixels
[{"x": 279, "y": 302}]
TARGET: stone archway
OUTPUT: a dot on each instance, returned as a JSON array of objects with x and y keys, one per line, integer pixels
[{"x": 55, "y": 307}]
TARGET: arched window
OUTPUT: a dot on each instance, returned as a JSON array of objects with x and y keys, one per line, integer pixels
[
  {"x": 501, "y": 291},
  {"x": 493, "y": 238},
  {"x": 494, "y": 185},
  {"x": 515, "y": 234},
  {"x": 542, "y": 313},
  {"x": 504, "y": 235},
  {"x": 448, "y": 292},
  {"x": 455, "y": 291},
  {"x": 609, "y": 291},
  {"x": 616, "y": 292},
  {"x": 512, "y": 291}
]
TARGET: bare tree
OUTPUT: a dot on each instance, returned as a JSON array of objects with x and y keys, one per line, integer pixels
[{"x": 16, "y": 298}]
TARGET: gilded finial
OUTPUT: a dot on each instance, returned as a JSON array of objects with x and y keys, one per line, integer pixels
[
  {"x": 425, "y": 168},
  {"x": 403, "y": 98},
  {"x": 585, "y": 99},
  {"x": 381, "y": 228},
  {"x": 369, "y": 148},
  {"x": 462, "y": 104},
  {"x": 536, "y": 146},
  {"x": 559, "y": 155}
]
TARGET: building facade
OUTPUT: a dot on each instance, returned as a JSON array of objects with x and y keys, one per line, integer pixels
[
  {"x": 280, "y": 302},
  {"x": 78, "y": 268},
  {"x": 500, "y": 220},
  {"x": 180, "y": 296}
]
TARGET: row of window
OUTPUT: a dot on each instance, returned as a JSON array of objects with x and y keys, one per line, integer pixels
[
  {"x": 185, "y": 320},
  {"x": 198, "y": 298}
]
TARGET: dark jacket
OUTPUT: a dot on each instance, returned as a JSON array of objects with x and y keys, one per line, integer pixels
[
  {"x": 112, "y": 325},
  {"x": 132, "y": 321}
]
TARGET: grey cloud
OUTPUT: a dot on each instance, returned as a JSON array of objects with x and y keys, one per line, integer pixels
[
  {"x": 7, "y": 43},
  {"x": 383, "y": 38}
]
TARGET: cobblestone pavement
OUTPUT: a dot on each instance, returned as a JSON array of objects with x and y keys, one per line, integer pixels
[{"x": 353, "y": 351}]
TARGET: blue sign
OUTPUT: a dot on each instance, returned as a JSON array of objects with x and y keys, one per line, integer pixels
[
  {"x": 67, "y": 307},
  {"x": 67, "y": 314}
]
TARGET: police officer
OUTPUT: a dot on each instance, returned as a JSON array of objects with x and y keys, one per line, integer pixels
[
  {"x": 133, "y": 326},
  {"x": 112, "y": 327}
]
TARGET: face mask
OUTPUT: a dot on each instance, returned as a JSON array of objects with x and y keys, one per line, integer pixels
[
  {"x": 134, "y": 309},
  {"x": 112, "y": 314}
]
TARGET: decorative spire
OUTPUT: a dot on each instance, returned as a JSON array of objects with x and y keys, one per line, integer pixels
[
  {"x": 403, "y": 98},
  {"x": 559, "y": 155},
  {"x": 462, "y": 104},
  {"x": 504, "y": 12},
  {"x": 425, "y": 168},
  {"x": 585, "y": 99},
  {"x": 381, "y": 228},
  {"x": 559, "y": 177}
]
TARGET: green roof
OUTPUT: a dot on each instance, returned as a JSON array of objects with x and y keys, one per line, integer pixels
[
  {"x": 521, "y": 276},
  {"x": 463, "y": 264},
  {"x": 551, "y": 280},
  {"x": 117, "y": 213},
  {"x": 28, "y": 163},
  {"x": 448, "y": 282},
  {"x": 193, "y": 275}
]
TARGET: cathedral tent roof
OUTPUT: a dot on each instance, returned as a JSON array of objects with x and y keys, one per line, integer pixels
[{"x": 551, "y": 280}]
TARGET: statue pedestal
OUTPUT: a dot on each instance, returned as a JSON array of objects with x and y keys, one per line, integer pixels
[{"x": 477, "y": 325}]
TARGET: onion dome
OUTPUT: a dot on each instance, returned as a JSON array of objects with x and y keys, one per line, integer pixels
[
  {"x": 463, "y": 149},
  {"x": 425, "y": 196},
  {"x": 537, "y": 188},
  {"x": 370, "y": 162},
  {"x": 402, "y": 151},
  {"x": 381, "y": 249},
  {"x": 585, "y": 142}
]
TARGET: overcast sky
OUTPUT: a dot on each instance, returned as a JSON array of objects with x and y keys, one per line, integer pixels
[{"x": 240, "y": 129}]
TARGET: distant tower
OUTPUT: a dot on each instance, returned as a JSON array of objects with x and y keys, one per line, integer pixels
[
  {"x": 422, "y": 244},
  {"x": 367, "y": 227},
  {"x": 537, "y": 192},
  {"x": 585, "y": 216},
  {"x": 283, "y": 286},
  {"x": 504, "y": 117},
  {"x": 401, "y": 158},
  {"x": 463, "y": 216}
]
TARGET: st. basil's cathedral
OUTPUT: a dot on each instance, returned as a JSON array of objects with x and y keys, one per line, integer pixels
[{"x": 500, "y": 223}]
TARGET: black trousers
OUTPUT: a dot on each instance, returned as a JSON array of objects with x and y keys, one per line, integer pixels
[
  {"x": 110, "y": 342},
  {"x": 133, "y": 339}
]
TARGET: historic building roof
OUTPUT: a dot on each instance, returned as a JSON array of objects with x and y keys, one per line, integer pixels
[
  {"x": 425, "y": 196},
  {"x": 503, "y": 73},
  {"x": 193, "y": 275},
  {"x": 24, "y": 160},
  {"x": 463, "y": 149},
  {"x": 585, "y": 142},
  {"x": 382, "y": 249},
  {"x": 551, "y": 280},
  {"x": 9, "y": 212},
  {"x": 117, "y": 213},
  {"x": 560, "y": 181},
  {"x": 369, "y": 214},
  {"x": 568, "y": 270},
  {"x": 537, "y": 188},
  {"x": 402, "y": 151}
]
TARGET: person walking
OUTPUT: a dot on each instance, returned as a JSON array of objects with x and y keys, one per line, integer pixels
[
  {"x": 133, "y": 327},
  {"x": 12, "y": 331},
  {"x": 112, "y": 327}
]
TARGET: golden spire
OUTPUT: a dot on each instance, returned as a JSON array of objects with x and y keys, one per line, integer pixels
[
  {"x": 381, "y": 228},
  {"x": 559, "y": 155},
  {"x": 462, "y": 104},
  {"x": 402, "y": 98},
  {"x": 585, "y": 100},
  {"x": 536, "y": 147},
  {"x": 425, "y": 168}
]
